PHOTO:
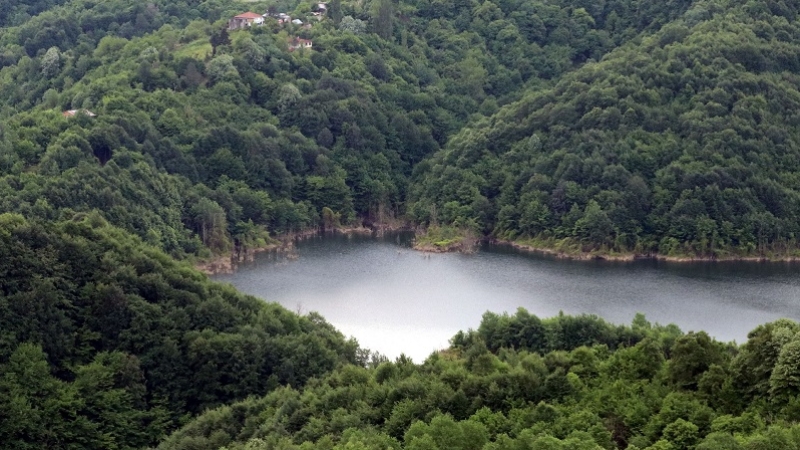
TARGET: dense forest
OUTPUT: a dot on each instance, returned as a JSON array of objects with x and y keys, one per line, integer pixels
[
  {"x": 520, "y": 382},
  {"x": 107, "y": 342},
  {"x": 619, "y": 127},
  {"x": 684, "y": 143},
  {"x": 204, "y": 138},
  {"x": 136, "y": 137}
]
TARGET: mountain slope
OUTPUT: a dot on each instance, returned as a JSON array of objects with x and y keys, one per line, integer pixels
[
  {"x": 250, "y": 138},
  {"x": 683, "y": 144},
  {"x": 103, "y": 332},
  {"x": 623, "y": 126}
]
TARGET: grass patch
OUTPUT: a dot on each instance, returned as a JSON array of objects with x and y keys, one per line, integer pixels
[
  {"x": 198, "y": 49},
  {"x": 444, "y": 239}
]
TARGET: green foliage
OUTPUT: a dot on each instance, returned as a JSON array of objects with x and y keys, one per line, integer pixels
[
  {"x": 668, "y": 145},
  {"x": 691, "y": 356},
  {"x": 785, "y": 378},
  {"x": 106, "y": 342},
  {"x": 467, "y": 397},
  {"x": 340, "y": 127},
  {"x": 524, "y": 331},
  {"x": 445, "y": 238},
  {"x": 623, "y": 127},
  {"x": 754, "y": 364}
]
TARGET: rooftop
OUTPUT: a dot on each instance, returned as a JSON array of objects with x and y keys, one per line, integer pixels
[{"x": 248, "y": 15}]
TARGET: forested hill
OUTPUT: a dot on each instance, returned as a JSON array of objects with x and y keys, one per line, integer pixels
[
  {"x": 106, "y": 342},
  {"x": 134, "y": 134},
  {"x": 205, "y": 138},
  {"x": 685, "y": 142},
  {"x": 520, "y": 382}
]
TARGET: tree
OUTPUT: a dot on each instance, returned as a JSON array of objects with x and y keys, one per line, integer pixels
[
  {"x": 447, "y": 433},
  {"x": 594, "y": 226},
  {"x": 219, "y": 39},
  {"x": 351, "y": 25},
  {"x": 681, "y": 434},
  {"x": 719, "y": 441},
  {"x": 221, "y": 68},
  {"x": 51, "y": 62},
  {"x": 691, "y": 356},
  {"x": 332, "y": 192},
  {"x": 335, "y": 11},
  {"x": 288, "y": 95},
  {"x": 785, "y": 379},
  {"x": 383, "y": 19},
  {"x": 38, "y": 410},
  {"x": 752, "y": 368},
  {"x": 210, "y": 223},
  {"x": 192, "y": 77}
]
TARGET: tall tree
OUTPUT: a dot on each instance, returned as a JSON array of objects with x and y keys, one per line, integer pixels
[
  {"x": 383, "y": 19},
  {"x": 335, "y": 11}
]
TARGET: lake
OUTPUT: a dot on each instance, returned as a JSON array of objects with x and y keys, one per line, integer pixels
[{"x": 395, "y": 300}]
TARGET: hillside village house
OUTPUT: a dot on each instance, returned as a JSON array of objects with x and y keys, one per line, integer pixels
[
  {"x": 245, "y": 20},
  {"x": 319, "y": 11},
  {"x": 250, "y": 18},
  {"x": 282, "y": 18},
  {"x": 296, "y": 43}
]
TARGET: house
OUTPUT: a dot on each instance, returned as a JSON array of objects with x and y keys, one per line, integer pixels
[
  {"x": 296, "y": 43},
  {"x": 245, "y": 20},
  {"x": 297, "y": 22},
  {"x": 283, "y": 18},
  {"x": 74, "y": 112},
  {"x": 322, "y": 7}
]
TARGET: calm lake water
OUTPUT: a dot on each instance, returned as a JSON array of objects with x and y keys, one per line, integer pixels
[{"x": 395, "y": 300}]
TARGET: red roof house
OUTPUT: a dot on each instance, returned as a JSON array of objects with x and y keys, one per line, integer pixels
[{"x": 245, "y": 20}]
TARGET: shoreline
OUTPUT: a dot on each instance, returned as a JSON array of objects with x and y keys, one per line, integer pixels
[
  {"x": 227, "y": 263},
  {"x": 445, "y": 239},
  {"x": 430, "y": 248},
  {"x": 462, "y": 246},
  {"x": 224, "y": 264},
  {"x": 630, "y": 257}
]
